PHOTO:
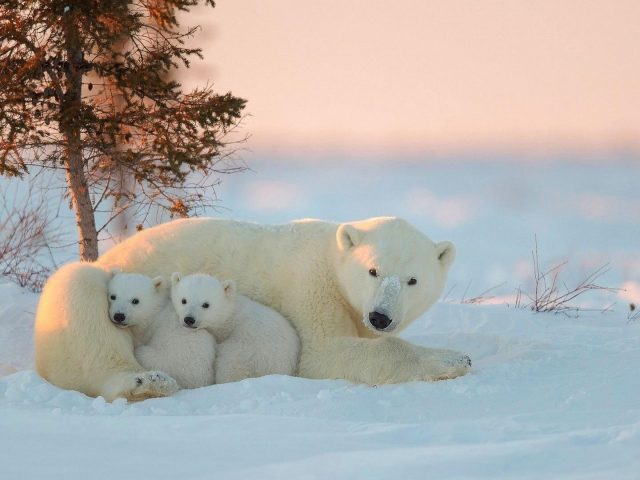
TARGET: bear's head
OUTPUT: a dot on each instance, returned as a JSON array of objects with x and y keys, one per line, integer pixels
[
  {"x": 135, "y": 299},
  {"x": 389, "y": 272},
  {"x": 202, "y": 301}
]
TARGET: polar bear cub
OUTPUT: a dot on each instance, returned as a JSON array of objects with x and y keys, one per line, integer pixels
[
  {"x": 253, "y": 340},
  {"x": 161, "y": 343}
]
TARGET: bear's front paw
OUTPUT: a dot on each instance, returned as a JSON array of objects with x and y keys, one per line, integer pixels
[
  {"x": 152, "y": 384},
  {"x": 446, "y": 364},
  {"x": 455, "y": 366},
  {"x": 461, "y": 361}
]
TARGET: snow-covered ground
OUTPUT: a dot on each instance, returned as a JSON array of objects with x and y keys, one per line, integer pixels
[{"x": 549, "y": 396}]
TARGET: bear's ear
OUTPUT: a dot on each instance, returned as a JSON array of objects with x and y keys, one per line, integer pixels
[
  {"x": 446, "y": 253},
  {"x": 229, "y": 287},
  {"x": 175, "y": 278},
  {"x": 160, "y": 283},
  {"x": 347, "y": 237}
]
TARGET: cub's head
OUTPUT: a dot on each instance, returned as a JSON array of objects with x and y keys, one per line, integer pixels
[
  {"x": 389, "y": 272},
  {"x": 134, "y": 299},
  {"x": 202, "y": 301}
]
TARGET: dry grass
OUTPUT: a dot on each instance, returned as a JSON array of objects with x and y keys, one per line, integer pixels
[{"x": 550, "y": 294}]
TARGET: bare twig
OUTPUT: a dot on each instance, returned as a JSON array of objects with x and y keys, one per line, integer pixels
[
  {"x": 551, "y": 295},
  {"x": 26, "y": 242},
  {"x": 482, "y": 297},
  {"x": 445, "y": 298}
]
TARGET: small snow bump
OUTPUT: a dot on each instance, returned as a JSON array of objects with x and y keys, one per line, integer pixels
[
  {"x": 99, "y": 404},
  {"x": 324, "y": 395}
]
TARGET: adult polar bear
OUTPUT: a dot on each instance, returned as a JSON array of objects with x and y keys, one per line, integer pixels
[{"x": 347, "y": 288}]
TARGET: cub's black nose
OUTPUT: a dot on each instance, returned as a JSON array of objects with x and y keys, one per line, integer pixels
[
  {"x": 189, "y": 321},
  {"x": 119, "y": 317},
  {"x": 379, "y": 320}
]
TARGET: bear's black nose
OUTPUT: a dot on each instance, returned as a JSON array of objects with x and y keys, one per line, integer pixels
[
  {"x": 379, "y": 320},
  {"x": 189, "y": 321},
  {"x": 119, "y": 317}
]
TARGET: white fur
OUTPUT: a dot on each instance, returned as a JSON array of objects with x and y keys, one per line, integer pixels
[
  {"x": 314, "y": 273},
  {"x": 160, "y": 342},
  {"x": 253, "y": 340}
]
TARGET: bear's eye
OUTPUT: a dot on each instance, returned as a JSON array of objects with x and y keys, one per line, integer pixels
[
  {"x": 184, "y": 301},
  {"x": 113, "y": 297},
  {"x": 205, "y": 305},
  {"x": 373, "y": 272},
  {"x": 135, "y": 301},
  {"x": 412, "y": 281}
]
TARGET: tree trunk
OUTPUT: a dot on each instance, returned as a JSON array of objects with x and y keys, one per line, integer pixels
[
  {"x": 70, "y": 124},
  {"x": 125, "y": 186},
  {"x": 81, "y": 201}
]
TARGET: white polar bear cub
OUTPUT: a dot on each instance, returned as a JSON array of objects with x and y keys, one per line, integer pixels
[
  {"x": 142, "y": 304},
  {"x": 253, "y": 340},
  {"x": 135, "y": 301}
]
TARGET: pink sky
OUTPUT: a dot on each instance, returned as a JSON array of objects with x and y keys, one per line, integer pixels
[{"x": 409, "y": 76}]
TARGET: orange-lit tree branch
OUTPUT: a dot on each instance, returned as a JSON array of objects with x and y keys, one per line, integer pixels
[{"x": 70, "y": 100}]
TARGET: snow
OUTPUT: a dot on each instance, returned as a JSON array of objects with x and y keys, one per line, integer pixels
[{"x": 549, "y": 396}]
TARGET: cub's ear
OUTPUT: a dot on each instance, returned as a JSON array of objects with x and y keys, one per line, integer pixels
[
  {"x": 446, "y": 254},
  {"x": 160, "y": 283},
  {"x": 114, "y": 271},
  {"x": 347, "y": 237},
  {"x": 229, "y": 287},
  {"x": 175, "y": 278}
]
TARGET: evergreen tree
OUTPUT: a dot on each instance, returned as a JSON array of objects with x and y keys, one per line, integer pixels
[{"x": 72, "y": 98}]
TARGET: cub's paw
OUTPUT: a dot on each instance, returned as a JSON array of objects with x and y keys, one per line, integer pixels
[{"x": 151, "y": 384}]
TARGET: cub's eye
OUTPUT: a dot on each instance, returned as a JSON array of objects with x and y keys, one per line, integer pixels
[
  {"x": 184, "y": 301},
  {"x": 412, "y": 281},
  {"x": 205, "y": 305},
  {"x": 135, "y": 301},
  {"x": 112, "y": 297},
  {"x": 373, "y": 272}
]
